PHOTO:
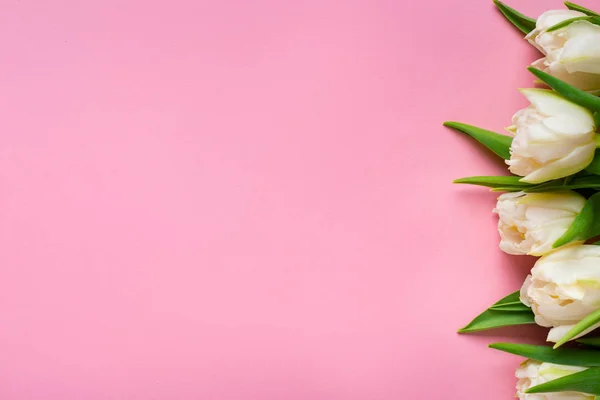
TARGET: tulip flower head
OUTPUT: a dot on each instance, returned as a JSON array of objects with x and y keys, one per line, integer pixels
[
  {"x": 532, "y": 373},
  {"x": 564, "y": 288},
  {"x": 572, "y": 53},
  {"x": 554, "y": 138},
  {"x": 531, "y": 223}
]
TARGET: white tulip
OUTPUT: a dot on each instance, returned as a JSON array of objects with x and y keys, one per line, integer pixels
[
  {"x": 554, "y": 138},
  {"x": 572, "y": 54},
  {"x": 531, "y": 223},
  {"x": 532, "y": 373},
  {"x": 564, "y": 288}
]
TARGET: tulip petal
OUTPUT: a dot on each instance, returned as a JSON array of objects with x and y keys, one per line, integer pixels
[
  {"x": 551, "y": 104},
  {"x": 582, "y": 52},
  {"x": 579, "y": 158},
  {"x": 566, "y": 124}
]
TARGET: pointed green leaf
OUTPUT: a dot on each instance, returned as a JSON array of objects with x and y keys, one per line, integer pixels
[
  {"x": 569, "y": 92},
  {"x": 578, "y": 181},
  {"x": 490, "y": 319},
  {"x": 511, "y": 298},
  {"x": 594, "y": 167},
  {"x": 597, "y": 124},
  {"x": 582, "y": 326},
  {"x": 587, "y": 381},
  {"x": 576, "y": 7},
  {"x": 569, "y": 21},
  {"x": 522, "y": 22},
  {"x": 594, "y": 341},
  {"x": 495, "y": 182},
  {"x": 514, "y": 306},
  {"x": 586, "y": 225},
  {"x": 576, "y": 357},
  {"x": 499, "y": 144}
]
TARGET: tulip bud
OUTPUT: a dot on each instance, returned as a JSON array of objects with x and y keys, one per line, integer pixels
[
  {"x": 531, "y": 223},
  {"x": 554, "y": 138},
  {"x": 532, "y": 373},
  {"x": 564, "y": 288},
  {"x": 572, "y": 53}
]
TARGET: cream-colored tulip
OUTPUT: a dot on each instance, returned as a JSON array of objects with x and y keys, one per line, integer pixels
[
  {"x": 564, "y": 288},
  {"x": 532, "y": 373},
  {"x": 531, "y": 223},
  {"x": 572, "y": 54},
  {"x": 554, "y": 138}
]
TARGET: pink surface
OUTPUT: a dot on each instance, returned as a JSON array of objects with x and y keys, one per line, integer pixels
[{"x": 251, "y": 199}]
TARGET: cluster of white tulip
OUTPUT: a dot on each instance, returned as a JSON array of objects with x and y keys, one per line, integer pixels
[{"x": 554, "y": 138}]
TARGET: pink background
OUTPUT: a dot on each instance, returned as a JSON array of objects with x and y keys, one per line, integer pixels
[{"x": 252, "y": 199}]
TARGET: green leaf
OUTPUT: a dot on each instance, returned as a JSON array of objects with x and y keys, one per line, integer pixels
[
  {"x": 522, "y": 22},
  {"x": 587, "y": 381},
  {"x": 578, "y": 181},
  {"x": 569, "y": 92},
  {"x": 594, "y": 341},
  {"x": 514, "y": 306},
  {"x": 499, "y": 144},
  {"x": 597, "y": 124},
  {"x": 495, "y": 182},
  {"x": 594, "y": 167},
  {"x": 569, "y": 21},
  {"x": 576, "y": 357},
  {"x": 513, "y": 183},
  {"x": 582, "y": 326},
  {"x": 585, "y": 226},
  {"x": 576, "y": 7},
  {"x": 497, "y": 318}
]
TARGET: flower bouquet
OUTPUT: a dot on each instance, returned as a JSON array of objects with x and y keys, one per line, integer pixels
[{"x": 550, "y": 206}]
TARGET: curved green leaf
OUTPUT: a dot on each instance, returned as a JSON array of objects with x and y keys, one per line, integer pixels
[
  {"x": 587, "y": 381},
  {"x": 497, "y": 318},
  {"x": 577, "y": 7},
  {"x": 582, "y": 326},
  {"x": 569, "y": 92},
  {"x": 585, "y": 226},
  {"x": 522, "y": 22},
  {"x": 575, "y": 182},
  {"x": 499, "y": 144},
  {"x": 594, "y": 167},
  {"x": 576, "y": 357},
  {"x": 495, "y": 182},
  {"x": 514, "y": 306},
  {"x": 569, "y": 21}
]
